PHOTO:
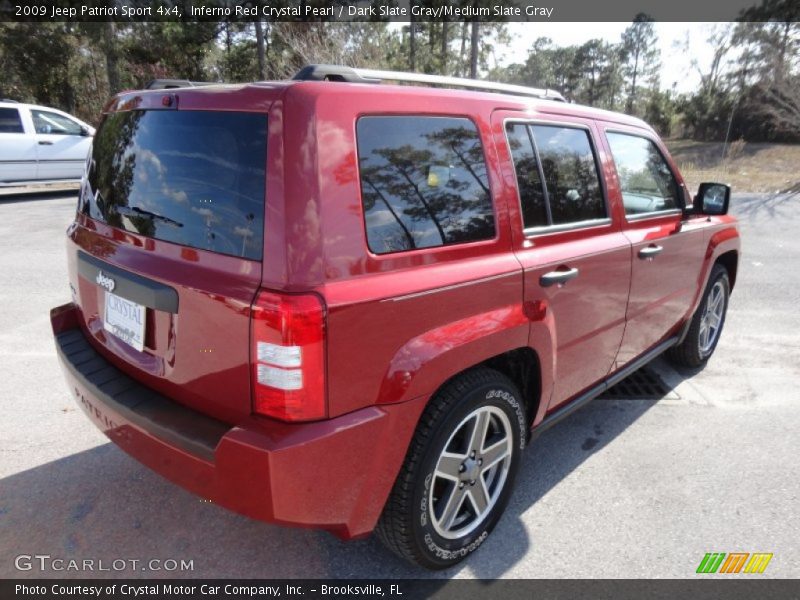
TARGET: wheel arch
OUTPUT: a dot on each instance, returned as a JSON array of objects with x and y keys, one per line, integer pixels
[
  {"x": 723, "y": 249},
  {"x": 729, "y": 260},
  {"x": 522, "y": 366}
]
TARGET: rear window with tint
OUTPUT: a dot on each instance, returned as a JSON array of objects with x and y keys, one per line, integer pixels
[
  {"x": 423, "y": 182},
  {"x": 194, "y": 178}
]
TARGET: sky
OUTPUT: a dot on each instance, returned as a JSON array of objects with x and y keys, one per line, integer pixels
[{"x": 676, "y": 68}]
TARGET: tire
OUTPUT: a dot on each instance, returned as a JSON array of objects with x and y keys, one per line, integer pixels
[
  {"x": 702, "y": 338},
  {"x": 445, "y": 502}
]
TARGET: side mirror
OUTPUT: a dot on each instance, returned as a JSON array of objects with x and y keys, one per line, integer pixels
[
  {"x": 712, "y": 199},
  {"x": 85, "y": 131}
]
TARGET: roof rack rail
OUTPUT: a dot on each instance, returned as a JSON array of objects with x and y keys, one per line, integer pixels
[
  {"x": 352, "y": 75},
  {"x": 168, "y": 84}
]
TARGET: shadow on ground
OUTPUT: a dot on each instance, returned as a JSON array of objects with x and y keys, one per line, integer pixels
[
  {"x": 749, "y": 206},
  {"x": 102, "y": 504}
]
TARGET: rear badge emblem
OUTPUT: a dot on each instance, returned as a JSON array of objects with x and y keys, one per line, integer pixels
[{"x": 105, "y": 282}]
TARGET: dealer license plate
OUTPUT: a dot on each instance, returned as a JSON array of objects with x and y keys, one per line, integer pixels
[{"x": 125, "y": 320}]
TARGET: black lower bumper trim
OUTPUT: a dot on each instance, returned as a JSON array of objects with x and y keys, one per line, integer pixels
[{"x": 158, "y": 415}]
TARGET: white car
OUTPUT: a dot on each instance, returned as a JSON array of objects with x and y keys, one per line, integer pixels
[{"x": 41, "y": 144}]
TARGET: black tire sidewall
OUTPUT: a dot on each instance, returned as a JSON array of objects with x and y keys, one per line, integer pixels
[{"x": 442, "y": 552}]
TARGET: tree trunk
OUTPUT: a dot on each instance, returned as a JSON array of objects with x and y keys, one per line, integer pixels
[
  {"x": 463, "y": 49},
  {"x": 473, "y": 54},
  {"x": 412, "y": 45},
  {"x": 632, "y": 94},
  {"x": 112, "y": 63},
  {"x": 443, "y": 51},
  {"x": 782, "y": 70},
  {"x": 67, "y": 97},
  {"x": 66, "y": 90},
  {"x": 262, "y": 63}
]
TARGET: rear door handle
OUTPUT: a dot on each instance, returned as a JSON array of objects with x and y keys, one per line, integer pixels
[
  {"x": 650, "y": 252},
  {"x": 560, "y": 277},
  {"x": 45, "y": 143}
]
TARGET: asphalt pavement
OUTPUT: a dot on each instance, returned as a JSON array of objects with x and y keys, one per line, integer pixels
[{"x": 621, "y": 489}]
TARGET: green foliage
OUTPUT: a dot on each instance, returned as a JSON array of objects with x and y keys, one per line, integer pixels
[
  {"x": 752, "y": 88},
  {"x": 52, "y": 64},
  {"x": 660, "y": 111},
  {"x": 590, "y": 73},
  {"x": 641, "y": 60},
  {"x": 749, "y": 90},
  {"x": 168, "y": 49},
  {"x": 444, "y": 48}
]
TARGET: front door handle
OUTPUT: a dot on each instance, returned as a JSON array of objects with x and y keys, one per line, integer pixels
[
  {"x": 45, "y": 143},
  {"x": 559, "y": 277},
  {"x": 650, "y": 252}
]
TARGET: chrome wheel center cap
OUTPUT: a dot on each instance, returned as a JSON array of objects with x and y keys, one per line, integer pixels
[{"x": 471, "y": 470}]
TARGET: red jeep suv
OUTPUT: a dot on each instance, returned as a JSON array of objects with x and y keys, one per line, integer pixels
[{"x": 333, "y": 303}]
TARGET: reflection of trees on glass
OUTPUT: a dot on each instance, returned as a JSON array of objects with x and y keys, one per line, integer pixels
[
  {"x": 194, "y": 178},
  {"x": 564, "y": 157},
  {"x": 466, "y": 145},
  {"x": 113, "y": 143},
  {"x": 531, "y": 193},
  {"x": 661, "y": 174},
  {"x": 645, "y": 178},
  {"x": 375, "y": 187},
  {"x": 423, "y": 182},
  {"x": 570, "y": 174}
]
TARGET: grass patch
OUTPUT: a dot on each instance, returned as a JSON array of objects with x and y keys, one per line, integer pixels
[{"x": 746, "y": 167}]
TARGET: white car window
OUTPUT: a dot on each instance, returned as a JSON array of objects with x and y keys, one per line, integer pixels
[
  {"x": 49, "y": 122},
  {"x": 10, "y": 121}
]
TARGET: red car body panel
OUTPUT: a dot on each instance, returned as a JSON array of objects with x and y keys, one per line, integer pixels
[
  {"x": 398, "y": 325},
  {"x": 331, "y": 474},
  {"x": 196, "y": 361}
]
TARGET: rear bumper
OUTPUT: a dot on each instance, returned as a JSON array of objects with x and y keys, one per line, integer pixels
[{"x": 333, "y": 474}]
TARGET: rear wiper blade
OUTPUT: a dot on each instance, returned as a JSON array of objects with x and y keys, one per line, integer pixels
[{"x": 135, "y": 211}]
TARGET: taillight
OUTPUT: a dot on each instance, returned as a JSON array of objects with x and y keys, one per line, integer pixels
[{"x": 288, "y": 356}]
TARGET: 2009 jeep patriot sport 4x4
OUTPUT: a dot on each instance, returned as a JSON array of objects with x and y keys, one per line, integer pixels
[{"x": 332, "y": 303}]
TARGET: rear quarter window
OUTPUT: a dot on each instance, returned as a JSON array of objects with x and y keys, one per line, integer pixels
[{"x": 423, "y": 182}]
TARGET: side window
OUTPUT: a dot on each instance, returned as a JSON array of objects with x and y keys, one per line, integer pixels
[
  {"x": 645, "y": 178},
  {"x": 529, "y": 182},
  {"x": 10, "y": 121},
  {"x": 50, "y": 122},
  {"x": 570, "y": 174},
  {"x": 564, "y": 158},
  {"x": 423, "y": 182}
]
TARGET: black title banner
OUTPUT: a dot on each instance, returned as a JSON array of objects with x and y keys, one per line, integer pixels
[{"x": 393, "y": 10}]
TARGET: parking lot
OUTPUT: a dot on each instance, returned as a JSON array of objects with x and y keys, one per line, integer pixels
[{"x": 624, "y": 488}]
